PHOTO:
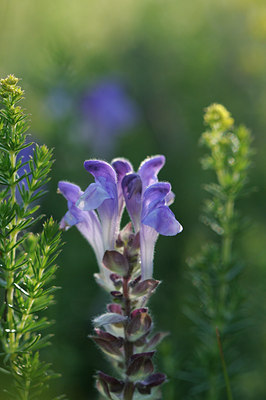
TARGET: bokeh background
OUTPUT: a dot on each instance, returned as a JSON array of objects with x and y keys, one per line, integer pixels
[{"x": 131, "y": 78}]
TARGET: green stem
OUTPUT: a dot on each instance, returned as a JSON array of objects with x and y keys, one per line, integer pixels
[
  {"x": 227, "y": 241},
  {"x": 213, "y": 393},
  {"x": 12, "y": 258},
  {"x": 23, "y": 321},
  {"x": 226, "y": 254},
  {"x": 226, "y": 377}
]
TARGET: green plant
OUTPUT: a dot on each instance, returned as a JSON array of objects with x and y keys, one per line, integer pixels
[{"x": 27, "y": 264}]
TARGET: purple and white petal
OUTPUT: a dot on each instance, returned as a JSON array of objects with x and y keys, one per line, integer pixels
[
  {"x": 154, "y": 196},
  {"x": 132, "y": 190},
  {"x": 87, "y": 222},
  {"x": 150, "y": 168},
  {"x": 100, "y": 169},
  {"x": 91, "y": 229},
  {"x": 162, "y": 219},
  {"x": 170, "y": 198},
  {"x": 70, "y": 191},
  {"x": 148, "y": 237},
  {"x": 121, "y": 167},
  {"x": 93, "y": 197},
  {"x": 103, "y": 193},
  {"x": 156, "y": 213}
]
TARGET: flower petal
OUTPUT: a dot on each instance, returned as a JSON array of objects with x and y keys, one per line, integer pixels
[
  {"x": 162, "y": 219},
  {"x": 121, "y": 167},
  {"x": 100, "y": 169},
  {"x": 132, "y": 189},
  {"x": 103, "y": 195},
  {"x": 69, "y": 190},
  {"x": 91, "y": 229},
  {"x": 170, "y": 198},
  {"x": 154, "y": 196},
  {"x": 93, "y": 197},
  {"x": 87, "y": 222},
  {"x": 150, "y": 168},
  {"x": 148, "y": 237}
]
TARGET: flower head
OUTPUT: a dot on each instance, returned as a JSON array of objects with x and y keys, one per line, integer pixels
[
  {"x": 97, "y": 212},
  {"x": 148, "y": 203}
]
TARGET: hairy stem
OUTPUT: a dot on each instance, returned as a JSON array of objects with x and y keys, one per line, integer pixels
[{"x": 128, "y": 346}]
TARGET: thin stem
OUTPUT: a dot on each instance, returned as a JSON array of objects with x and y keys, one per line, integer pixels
[
  {"x": 10, "y": 274},
  {"x": 23, "y": 321},
  {"x": 226, "y": 251},
  {"x": 227, "y": 241},
  {"x": 128, "y": 346},
  {"x": 213, "y": 393},
  {"x": 226, "y": 377}
]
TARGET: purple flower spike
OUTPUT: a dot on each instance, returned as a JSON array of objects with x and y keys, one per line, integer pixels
[
  {"x": 97, "y": 212},
  {"x": 87, "y": 222},
  {"x": 103, "y": 196}
]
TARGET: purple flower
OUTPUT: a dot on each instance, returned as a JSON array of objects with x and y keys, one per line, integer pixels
[
  {"x": 109, "y": 112},
  {"x": 147, "y": 202},
  {"x": 24, "y": 156},
  {"x": 87, "y": 222},
  {"x": 104, "y": 195},
  {"x": 58, "y": 103},
  {"x": 97, "y": 212}
]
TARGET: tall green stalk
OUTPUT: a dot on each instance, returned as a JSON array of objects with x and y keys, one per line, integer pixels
[
  {"x": 27, "y": 260},
  {"x": 215, "y": 271}
]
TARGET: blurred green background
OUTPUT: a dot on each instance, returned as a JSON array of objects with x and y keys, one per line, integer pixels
[{"x": 161, "y": 62}]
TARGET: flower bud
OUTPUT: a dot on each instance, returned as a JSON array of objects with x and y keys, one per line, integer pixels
[
  {"x": 106, "y": 385},
  {"x": 109, "y": 318},
  {"x": 144, "y": 386},
  {"x": 145, "y": 288},
  {"x": 139, "y": 325},
  {"x": 11, "y": 80},
  {"x": 155, "y": 340},
  {"x": 115, "y": 262},
  {"x": 109, "y": 347},
  {"x": 140, "y": 365},
  {"x": 114, "y": 308},
  {"x": 218, "y": 117}
]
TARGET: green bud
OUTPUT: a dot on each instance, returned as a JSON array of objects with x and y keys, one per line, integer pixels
[
  {"x": 218, "y": 117},
  {"x": 11, "y": 80},
  {"x": 8, "y": 85}
]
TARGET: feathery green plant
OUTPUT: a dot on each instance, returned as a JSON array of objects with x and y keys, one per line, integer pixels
[
  {"x": 27, "y": 260},
  {"x": 215, "y": 272}
]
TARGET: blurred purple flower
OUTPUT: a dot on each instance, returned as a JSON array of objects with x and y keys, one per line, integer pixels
[
  {"x": 24, "y": 155},
  {"x": 110, "y": 112},
  {"x": 58, "y": 103}
]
